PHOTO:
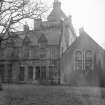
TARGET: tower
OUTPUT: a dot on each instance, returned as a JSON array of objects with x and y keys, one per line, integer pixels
[
  {"x": 56, "y": 4},
  {"x": 56, "y": 14}
]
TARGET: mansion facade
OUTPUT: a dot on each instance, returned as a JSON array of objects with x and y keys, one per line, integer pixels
[
  {"x": 51, "y": 53},
  {"x": 33, "y": 56}
]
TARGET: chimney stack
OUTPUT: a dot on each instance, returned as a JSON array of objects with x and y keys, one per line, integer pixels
[
  {"x": 26, "y": 28},
  {"x": 37, "y": 23}
]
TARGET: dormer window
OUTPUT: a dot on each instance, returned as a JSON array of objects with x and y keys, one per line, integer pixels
[{"x": 42, "y": 41}]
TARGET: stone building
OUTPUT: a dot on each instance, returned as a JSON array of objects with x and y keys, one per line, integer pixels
[
  {"x": 83, "y": 63},
  {"x": 52, "y": 53},
  {"x": 33, "y": 56}
]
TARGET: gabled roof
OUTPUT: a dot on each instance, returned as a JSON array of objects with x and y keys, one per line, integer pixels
[
  {"x": 26, "y": 40},
  {"x": 84, "y": 41},
  {"x": 42, "y": 38}
]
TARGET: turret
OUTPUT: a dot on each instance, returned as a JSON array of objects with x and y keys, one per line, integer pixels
[
  {"x": 56, "y": 14},
  {"x": 56, "y": 4}
]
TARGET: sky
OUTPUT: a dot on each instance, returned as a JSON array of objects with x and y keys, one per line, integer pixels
[{"x": 89, "y": 14}]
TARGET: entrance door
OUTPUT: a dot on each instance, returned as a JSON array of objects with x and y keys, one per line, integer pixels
[{"x": 2, "y": 71}]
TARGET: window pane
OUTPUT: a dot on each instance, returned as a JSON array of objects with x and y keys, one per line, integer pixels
[
  {"x": 21, "y": 74},
  {"x": 2, "y": 70},
  {"x": 51, "y": 72},
  {"x": 88, "y": 60},
  {"x": 9, "y": 72},
  {"x": 43, "y": 73},
  {"x": 78, "y": 60},
  {"x": 30, "y": 73},
  {"x": 37, "y": 73}
]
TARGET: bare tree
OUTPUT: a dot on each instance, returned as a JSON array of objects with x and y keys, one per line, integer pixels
[{"x": 13, "y": 11}]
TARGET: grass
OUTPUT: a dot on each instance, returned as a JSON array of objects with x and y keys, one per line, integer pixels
[{"x": 50, "y": 95}]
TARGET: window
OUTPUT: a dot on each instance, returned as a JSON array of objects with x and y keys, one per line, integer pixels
[
  {"x": 2, "y": 53},
  {"x": 43, "y": 73},
  {"x": 37, "y": 73},
  {"x": 30, "y": 73},
  {"x": 88, "y": 60},
  {"x": 2, "y": 71},
  {"x": 40, "y": 73},
  {"x": 30, "y": 52},
  {"x": 78, "y": 60},
  {"x": 52, "y": 53},
  {"x": 21, "y": 73},
  {"x": 53, "y": 62},
  {"x": 83, "y": 60},
  {"x": 9, "y": 72},
  {"x": 26, "y": 52},
  {"x": 50, "y": 72}
]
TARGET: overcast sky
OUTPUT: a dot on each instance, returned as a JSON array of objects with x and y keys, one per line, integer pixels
[{"x": 89, "y": 14}]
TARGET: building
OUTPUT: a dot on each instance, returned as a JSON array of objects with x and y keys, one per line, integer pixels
[
  {"x": 83, "y": 62},
  {"x": 52, "y": 53},
  {"x": 33, "y": 56}
]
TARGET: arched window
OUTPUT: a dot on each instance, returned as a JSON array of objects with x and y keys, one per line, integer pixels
[
  {"x": 78, "y": 60},
  {"x": 88, "y": 60}
]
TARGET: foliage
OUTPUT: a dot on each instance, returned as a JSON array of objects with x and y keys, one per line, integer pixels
[{"x": 13, "y": 11}]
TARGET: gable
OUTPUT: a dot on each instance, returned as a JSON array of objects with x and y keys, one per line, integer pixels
[
  {"x": 84, "y": 42},
  {"x": 42, "y": 39}
]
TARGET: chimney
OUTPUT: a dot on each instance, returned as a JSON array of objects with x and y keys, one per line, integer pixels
[
  {"x": 37, "y": 23},
  {"x": 26, "y": 28}
]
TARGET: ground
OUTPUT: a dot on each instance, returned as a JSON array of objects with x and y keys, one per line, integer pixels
[{"x": 50, "y": 95}]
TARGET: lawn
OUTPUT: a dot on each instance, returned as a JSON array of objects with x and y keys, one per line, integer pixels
[{"x": 50, "y": 95}]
